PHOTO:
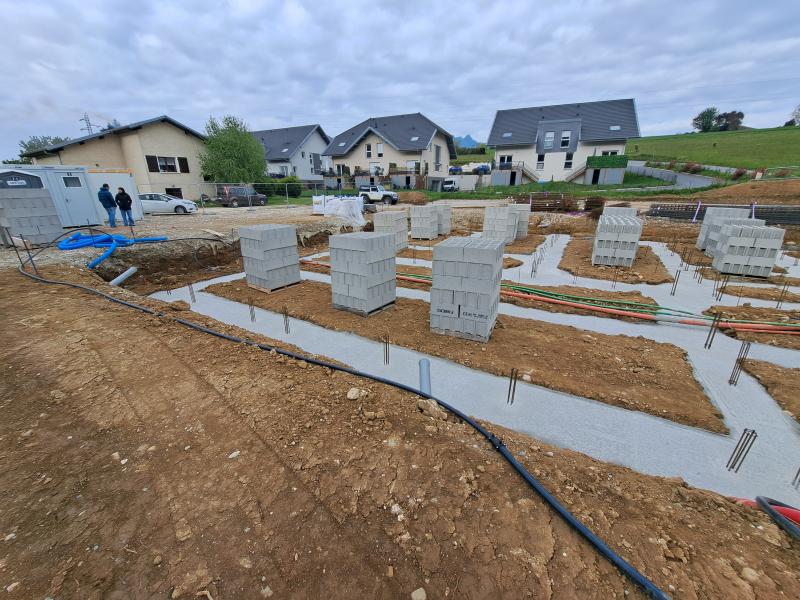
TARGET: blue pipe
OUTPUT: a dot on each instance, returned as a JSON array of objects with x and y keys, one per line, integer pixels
[{"x": 104, "y": 240}]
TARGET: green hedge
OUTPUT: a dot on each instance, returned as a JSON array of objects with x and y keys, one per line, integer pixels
[{"x": 610, "y": 161}]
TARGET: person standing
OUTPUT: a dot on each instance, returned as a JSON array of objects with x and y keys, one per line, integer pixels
[
  {"x": 124, "y": 202},
  {"x": 107, "y": 200}
]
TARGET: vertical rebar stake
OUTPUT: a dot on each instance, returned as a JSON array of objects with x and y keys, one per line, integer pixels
[
  {"x": 712, "y": 331},
  {"x": 252, "y": 309},
  {"x": 28, "y": 250},
  {"x": 742, "y": 449},
  {"x": 285, "y": 313},
  {"x": 191, "y": 293},
  {"x": 796, "y": 480},
  {"x": 512, "y": 386},
  {"x": 13, "y": 245},
  {"x": 385, "y": 341},
  {"x": 675, "y": 282},
  {"x": 738, "y": 366},
  {"x": 782, "y": 295}
]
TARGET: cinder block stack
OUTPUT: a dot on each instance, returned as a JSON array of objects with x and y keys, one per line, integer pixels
[
  {"x": 747, "y": 250},
  {"x": 616, "y": 240},
  {"x": 445, "y": 218},
  {"x": 714, "y": 213},
  {"x": 715, "y": 228},
  {"x": 619, "y": 211},
  {"x": 363, "y": 277},
  {"x": 424, "y": 222},
  {"x": 523, "y": 212},
  {"x": 29, "y": 213},
  {"x": 394, "y": 222},
  {"x": 270, "y": 256},
  {"x": 466, "y": 287},
  {"x": 499, "y": 223}
]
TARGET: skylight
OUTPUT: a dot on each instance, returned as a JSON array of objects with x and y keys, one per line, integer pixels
[
  {"x": 415, "y": 138},
  {"x": 341, "y": 144},
  {"x": 615, "y": 127},
  {"x": 507, "y": 134},
  {"x": 285, "y": 150}
]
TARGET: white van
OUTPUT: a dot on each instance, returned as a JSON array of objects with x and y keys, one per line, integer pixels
[{"x": 450, "y": 185}]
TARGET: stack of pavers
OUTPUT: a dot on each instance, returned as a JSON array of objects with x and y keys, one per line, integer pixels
[
  {"x": 363, "y": 277},
  {"x": 500, "y": 223},
  {"x": 616, "y": 240},
  {"x": 445, "y": 218},
  {"x": 393, "y": 222},
  {"x": 523, "y": 212},
  {"x": 715, "y": 229},
  {"x": 29, "y": 214},
  {"x": 270, "y": 256},
  {"x": 714, "y": 213},
  {"x": 466, "y": 287},
  {"x": 619, "y": 211},
  {"x": 747, "y": 250},
  {"x": 424, "y": 222}
]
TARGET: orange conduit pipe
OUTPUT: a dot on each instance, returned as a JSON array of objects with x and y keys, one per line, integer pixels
[{"x": 751, "y": 327}]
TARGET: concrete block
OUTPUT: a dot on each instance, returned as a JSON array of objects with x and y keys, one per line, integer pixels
[
  {"x": 363, "y": 277},
  {"x": 523, "y": 212}
]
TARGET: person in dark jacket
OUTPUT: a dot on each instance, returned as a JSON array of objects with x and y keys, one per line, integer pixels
[
  {"x": 124, "y": 202},
  {"x": 107, "y": 200}
]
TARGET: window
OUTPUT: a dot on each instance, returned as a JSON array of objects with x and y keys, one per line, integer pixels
[
  {"x": 176, "y": 192},
  {"x": 369, "y": 150},
  {"x": 379, "y": 148},
  {"x": 549, "y": 138},
  {"x": 565, "y": 137},
  {"x": 294, "y": 170},
  {"x": 507, "y": 134},
  {"x": 539, "y": 162},
  {"x": 614, "y": 127},
  {"x": 568, "y": 161},
  {"x": 505, "y": 158},
  {"x": 183, "y": 164},
  {"x": 284, "y": 170},
  {"x": 609, "y": 152},
  {"x": 302, "y": 155},
  {"x": 437, "y": 161},
  {"x": 167, "y": 164},
  {"x": 72, "y": 182}
]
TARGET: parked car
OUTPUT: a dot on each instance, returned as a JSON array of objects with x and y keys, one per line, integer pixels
[
  {"x": 239, "y": 195},
  {"x": 481, "y": 170},
  {"x": 375, "y": 193},
  {"x": 164, "y": 203},
  {"x": 450, "y": 185},
  {"x": 456, "y": 170}
]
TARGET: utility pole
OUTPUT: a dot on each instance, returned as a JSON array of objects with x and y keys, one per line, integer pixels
[{"x": 88, "y": 128}]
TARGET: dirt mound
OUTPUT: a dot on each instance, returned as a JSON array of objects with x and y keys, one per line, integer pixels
[
  {"x": 412, "y": 198},
  {"x": 781, "y": 383},
  {"x": 647, "y": 268}
]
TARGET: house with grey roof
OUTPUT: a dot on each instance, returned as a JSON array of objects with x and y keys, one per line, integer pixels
[
  {"x": 295, "y": 151},
  {"x": 554, "y": 143},
  {"x": 410, "y": 149}
]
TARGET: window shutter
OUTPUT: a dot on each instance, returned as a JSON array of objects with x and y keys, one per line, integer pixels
[
  {"x": 183, "y": 164},
  {"x": 152, "y": 164}
]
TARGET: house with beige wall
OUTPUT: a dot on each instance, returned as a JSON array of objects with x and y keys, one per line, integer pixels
[
  {"x": 161, "y": 153},
  {"x": 553, "y": 143},
  {"x": 398, "y": 146}
]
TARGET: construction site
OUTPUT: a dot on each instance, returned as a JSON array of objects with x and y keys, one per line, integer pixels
[{"x": 438, "y": 400}]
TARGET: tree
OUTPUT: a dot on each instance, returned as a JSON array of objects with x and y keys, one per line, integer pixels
[
  {"x": 729, "y": 121},
  {"x": 112, "y": 124},
  {"x": 34, "y": 142},
  {"x": 790, "y": 123},
  {"x": 704, "y": 121},
  {"x": 796, "y": 115},
  {"x": 232, "y": 155}
]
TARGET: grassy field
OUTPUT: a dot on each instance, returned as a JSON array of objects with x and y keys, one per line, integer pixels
[
  {"x": 464, "y": 159},
  {"x": 748, "y": 149}
]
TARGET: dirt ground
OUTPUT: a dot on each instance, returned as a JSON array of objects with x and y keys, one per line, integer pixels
[
  {"x": 761, "y": 293},
  {"x": 152, "y": 461},
  {"x": 629, "y": 372},
  {"x": 647, "y": 268},
  {"x": 753, "y": 313},
  {"x": 764, "y": 192},
  {"x": 781, "y": 383}
]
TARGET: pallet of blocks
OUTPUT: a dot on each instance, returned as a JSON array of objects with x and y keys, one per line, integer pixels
[
  {"x": 500, "y": 223},
  {"x": 523, "y": 212},
  {"x": 619, "y": 211},
  {"x": 714, "y": 213},
  {"x": 445, "y": 218},
  {"x": 424, "y": 222},
  {"x": 394, "y": 222},
  {"x": 616, "y": 240},
  {"x": 269, "y": 252},
  {"x": 363, "y": 278},
  {"x": 465, "y": 295},
  {"x": 715, "y": 229},
  {"x": 747, "y": 250},
  {"x": 30, "y": 214}
]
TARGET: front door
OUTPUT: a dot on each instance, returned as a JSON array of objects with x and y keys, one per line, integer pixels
[
  {"x": 512, "y": 180},
  {"x": 595, "y": 176},
  {"x": 79, "y": 201}
]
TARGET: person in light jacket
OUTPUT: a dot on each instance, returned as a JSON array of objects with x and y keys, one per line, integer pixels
[
  {"x": 107, "y": 200},
  {"x": 124, "y": 202}
]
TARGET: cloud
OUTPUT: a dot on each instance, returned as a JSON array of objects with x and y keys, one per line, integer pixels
[{"x": 336, "y": 63}]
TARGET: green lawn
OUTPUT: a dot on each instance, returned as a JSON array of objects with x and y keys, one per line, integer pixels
[
  {"x": 464, "y": 159},
  {"x": 748, "y": 149}
]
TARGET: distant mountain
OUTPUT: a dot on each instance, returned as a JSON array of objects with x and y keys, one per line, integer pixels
[{"x": 465, "y": 142}]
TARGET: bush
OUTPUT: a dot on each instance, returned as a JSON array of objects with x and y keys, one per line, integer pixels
[
  {"x": 671, "y": 165},
  {"x": 738, "y": 174},
  {"x": 691, "y": 167},
  {"x": 783, "y": 173},
  {"x": 291, "y": 186}
]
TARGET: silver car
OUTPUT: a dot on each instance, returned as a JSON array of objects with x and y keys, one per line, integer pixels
[{"x": 164, "y": 203}]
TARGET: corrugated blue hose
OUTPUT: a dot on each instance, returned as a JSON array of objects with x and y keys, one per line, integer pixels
[{"x": 103, "y": 240}]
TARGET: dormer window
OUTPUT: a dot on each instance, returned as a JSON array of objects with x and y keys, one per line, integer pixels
[
  {"x": 507, "y": 134},
  {"x": 614, "y": 127},
  {"x": 565, "y": 138},
  {"x": 549, "y": 138}
]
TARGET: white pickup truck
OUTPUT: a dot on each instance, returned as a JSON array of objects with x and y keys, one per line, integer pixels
[{"x": 376, "y": 193}]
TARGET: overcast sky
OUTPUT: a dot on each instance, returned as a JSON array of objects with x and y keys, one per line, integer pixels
[{"x": 335, "y": 63}]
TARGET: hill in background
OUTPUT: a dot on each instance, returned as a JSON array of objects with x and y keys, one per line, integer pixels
[{"x": 465, "y": 141}]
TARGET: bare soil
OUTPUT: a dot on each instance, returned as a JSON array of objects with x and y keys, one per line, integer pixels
[
  {"x": 761, "y": 293},
  {"x": 647, "y": 268},
  {"x": 764, "y": 192},
  {"x": 753, "y": 313},
  {"x": 131, "y": 469},
  {"x": 526, "y": 245},
  {"x": 630, "y": 372},
  {"x": 781, "y": 383},
  {"x": 690, "y": 254}
]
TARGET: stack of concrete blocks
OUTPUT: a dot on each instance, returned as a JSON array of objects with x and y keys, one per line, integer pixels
[
  {"x": 424, "y": 222},
  {"x": 395, "y": 223},
  {"x": 30, "y": 214},
  {"x": 445, "y": 218},
  {"x": 619, "y": 211},
  {"x": 523, "y": 212},
  {"x": 715, "y": 229},
  {"x": 270, "y": 256},
  {"x": 616, "y": 240},
  {"x": 500, "y": 223},
  {"x": 466, "y": 287},
  {"x": 747, "y": 250},
  {"x": 714, "y": 214},
  {"x": 363, "y": 277}
]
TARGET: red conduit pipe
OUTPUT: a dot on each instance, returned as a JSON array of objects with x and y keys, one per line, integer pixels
[{"x": 792, "y": 514}]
